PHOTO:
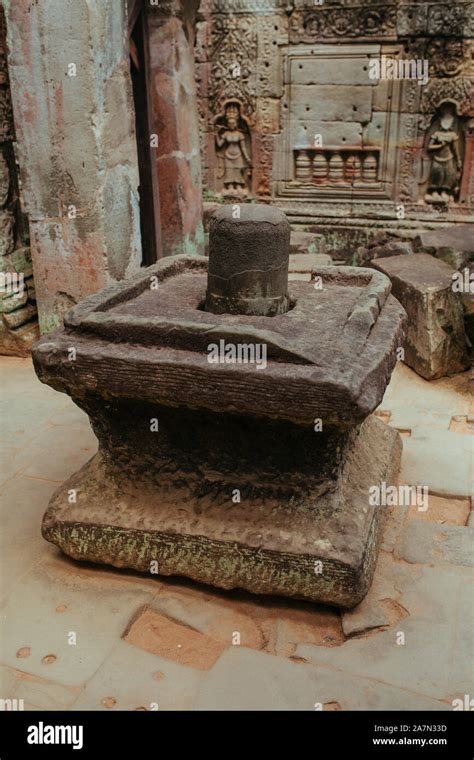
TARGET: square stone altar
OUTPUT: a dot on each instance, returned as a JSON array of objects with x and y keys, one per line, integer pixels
[{"x": 228, "y": 471}]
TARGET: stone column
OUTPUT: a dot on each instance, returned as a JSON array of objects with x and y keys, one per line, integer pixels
[
  {"x": 74, "y": 117},
  {"x": 174, "y": 119},
  {"x": 18, "y": 314}
]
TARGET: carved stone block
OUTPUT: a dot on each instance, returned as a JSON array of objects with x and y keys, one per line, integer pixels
[{"x": 435, "y": 344}]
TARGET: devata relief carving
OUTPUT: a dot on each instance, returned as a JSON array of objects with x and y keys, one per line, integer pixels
[
  {"x": 444, "y": 145},
  {"x": 233, "y": 149}
]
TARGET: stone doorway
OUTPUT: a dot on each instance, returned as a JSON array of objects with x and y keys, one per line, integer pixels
[
  {"x": 150, "y": 215},
  {"x": 161, "y": 40}
]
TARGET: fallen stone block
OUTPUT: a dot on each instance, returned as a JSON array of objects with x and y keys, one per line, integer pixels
[
  {"x": 20, "y": 316},
  {"x": 20, "y": 341},
  {"x": 10, "y": 302},
  {"x": 398, "y": 248},
  {"x": 435, "y": 344},
  {"x": 453, "y": 245},
  {"x": 306, "y": 242}
]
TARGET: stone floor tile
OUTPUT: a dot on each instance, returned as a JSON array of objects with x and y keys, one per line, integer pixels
[
  {"x": 409, "y": 394},
  {"x": 56, "y": 464},
  {"x": 428, "y": 543},
  {"x": 18, "y": 559},
  {"x": 423, "y": 664},
  {"x": 460, "y": 654},
  {"x": 22, "y": 505},
  {"x": 271, "y": 624},
  {"x": 8, "y": 682},
  {"x": 243, "y": 679},
  {"x": 172, "y": 640},
  {"x": 462, "y": 424},
  {"x": 396, "y": 516},
  {"x": 47, "y": 695},
  {"x": 96, "y": 609},
  {"x": 381, "y": 607},
  {"x": 76, "y": 435},
  {"x": 13, "y": 460},
  {"x": 442, "y": 511},
  {"x": 441, "y": 462},
  {"x": 25, "y": 417},
  {"x": 130, "y": 679}
]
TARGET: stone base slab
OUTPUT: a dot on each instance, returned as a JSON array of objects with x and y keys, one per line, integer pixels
[{"x": 264, "y": 544}]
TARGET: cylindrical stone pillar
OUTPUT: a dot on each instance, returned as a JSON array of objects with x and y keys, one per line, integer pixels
[{"x": 249, "y": 248}]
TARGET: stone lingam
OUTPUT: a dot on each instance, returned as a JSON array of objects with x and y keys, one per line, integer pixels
[{"x": 236, "y": 441}]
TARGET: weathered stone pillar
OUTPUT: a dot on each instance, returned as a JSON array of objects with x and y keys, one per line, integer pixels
[
  {"x": 18, "y": 314},
  {"x": 74, "y": 116},
  {"x": 174, "y": 119}
]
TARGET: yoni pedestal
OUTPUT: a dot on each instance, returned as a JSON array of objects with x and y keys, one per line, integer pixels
[{"x": 235, "y": 448}]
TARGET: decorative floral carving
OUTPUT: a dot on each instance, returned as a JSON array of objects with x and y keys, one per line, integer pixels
[
  {"x": 407, "y": 187},
  {"x": 458, "y": 91},
  {"x": 447, "y": 57},
  {"x": 247, "y": 6},
  {"x": 361, "y": 22},
  {"x": 233, "y": 62},
  {"x": 451, "y": 19},
  {"x": 265, "y": 154}
]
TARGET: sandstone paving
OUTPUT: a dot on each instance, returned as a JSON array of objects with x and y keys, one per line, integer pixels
[
  {"x": 415, "y": 402},
  {"x": 246, "y": 680},
  {"x": 95, "y": 611},
  {"x": 263, "y": 623},
  {"x": 424, "y": 663},
  {"x": 42, "y": 694},
  {"x": 131, "y": 679},
  {"x": 442, "y": 462},
  {"x": 382, "y": 607},
  {"x": 427, "y": 542},
  {"x": 434, "y": 455},
  {"x": 442, "y": 510}
]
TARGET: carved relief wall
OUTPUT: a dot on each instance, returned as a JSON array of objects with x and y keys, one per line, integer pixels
[{"x": 320, "y": 127}]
